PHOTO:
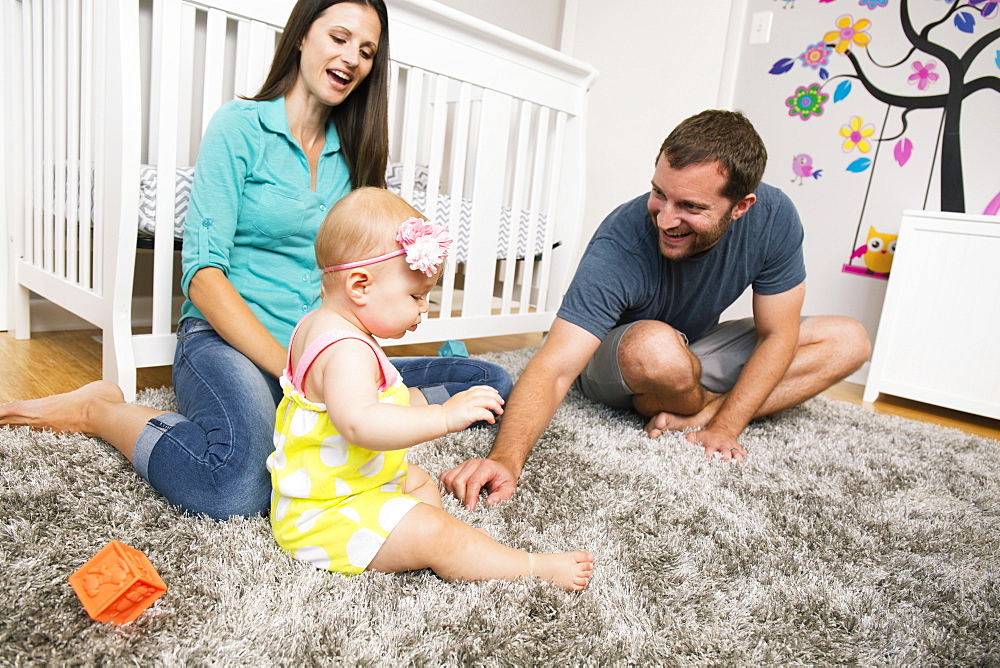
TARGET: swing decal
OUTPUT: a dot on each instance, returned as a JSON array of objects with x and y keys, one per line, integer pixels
[{"x": 895, "y": 76}]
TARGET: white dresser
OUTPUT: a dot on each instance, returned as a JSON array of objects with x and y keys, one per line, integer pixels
[{"x": 938, "y": 339}]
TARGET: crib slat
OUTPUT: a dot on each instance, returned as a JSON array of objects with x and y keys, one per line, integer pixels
[
  {"x": 252, "y": 52},
  {"x": 174, "y": 23},
  {"x": 87, "y": 273},
  {"x": 517, "y": 202},
  {"x": 184, "y": 94},
  {"x": 439, "y": 128},
  {"x": 460, "y": 147},
  {"x": 73, "y": 143},
  {"x": 412, "y": 105},
  {"x": 60, "y": 121},
  {"x": 538, "y": 172},
  {"x": 48, "y": 138},
  {"x": 394, "y": 74},
  {"x": 215, "y": 55},
  {"x": 15, "y": 195},
  {"x": 490, "y": 170},
  {"x": 552, "y": 214},
  {"x": 32, "y": 20}
]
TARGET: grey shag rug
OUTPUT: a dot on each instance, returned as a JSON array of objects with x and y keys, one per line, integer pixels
[{"x": 848, "y": 538}]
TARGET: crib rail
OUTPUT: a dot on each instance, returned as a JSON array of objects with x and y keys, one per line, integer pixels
[
  {"x": 105, "y": 86},
  {"x": 98, "y": 102},
  {"x": 498, "y": 122}
]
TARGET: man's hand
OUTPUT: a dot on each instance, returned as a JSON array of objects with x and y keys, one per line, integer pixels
[
  {"x": 715, "y": 440},
  {"x": 467, "y": 479}
]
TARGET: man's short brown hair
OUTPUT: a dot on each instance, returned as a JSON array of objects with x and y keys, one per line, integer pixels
[{"x": 726, "y": 137}]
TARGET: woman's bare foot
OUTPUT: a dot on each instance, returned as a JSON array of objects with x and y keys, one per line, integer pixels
[
  {"x": 664, "y": 422},
  {"x": 61, "y": 412},
  {"x": 569, "y": 570}
]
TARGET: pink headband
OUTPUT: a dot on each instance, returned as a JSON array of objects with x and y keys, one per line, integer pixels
[{"x": 425, "y": 244}]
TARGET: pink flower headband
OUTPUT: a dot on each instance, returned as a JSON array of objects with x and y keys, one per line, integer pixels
[{"x": 425, "y": 244}]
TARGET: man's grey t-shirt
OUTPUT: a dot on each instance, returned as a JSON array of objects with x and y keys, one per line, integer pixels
[{"x": 623, "y": 277}]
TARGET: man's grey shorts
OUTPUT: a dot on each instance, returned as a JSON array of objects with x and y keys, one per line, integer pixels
[{"x": 722, "y": 352}]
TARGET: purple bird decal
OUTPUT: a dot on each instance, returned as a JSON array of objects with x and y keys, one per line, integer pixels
[{"x": 802, "y": 165}]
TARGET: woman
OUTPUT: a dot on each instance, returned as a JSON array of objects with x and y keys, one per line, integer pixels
[{"x": 268, "y": 168}]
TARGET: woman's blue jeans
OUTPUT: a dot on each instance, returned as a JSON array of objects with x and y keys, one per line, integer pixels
[{"x": 210, "y": 456}]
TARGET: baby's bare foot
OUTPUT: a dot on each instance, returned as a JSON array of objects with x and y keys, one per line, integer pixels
[
  {"x": 569, "y": 570},
  {"x": 61, "y": 412}
]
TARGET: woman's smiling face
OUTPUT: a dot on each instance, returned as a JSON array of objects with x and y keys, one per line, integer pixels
[{"x": 338, "y": 51}]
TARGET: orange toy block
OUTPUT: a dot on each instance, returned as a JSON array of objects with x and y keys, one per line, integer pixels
[{"x": 117, "y": 584}]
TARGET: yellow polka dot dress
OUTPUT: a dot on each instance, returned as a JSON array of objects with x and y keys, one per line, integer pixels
[{"x": 333, "y": 503}]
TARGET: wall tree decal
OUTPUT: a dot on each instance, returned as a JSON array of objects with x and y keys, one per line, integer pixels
[{"x": 850, "y": 37}]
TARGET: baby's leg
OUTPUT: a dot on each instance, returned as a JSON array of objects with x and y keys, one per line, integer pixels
[
  {"x": 428, "y": 537},
  {"x": 418, "y": 483}
]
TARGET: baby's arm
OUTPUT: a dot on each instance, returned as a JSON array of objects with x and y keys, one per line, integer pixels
[{"x": 346, "y": 377}]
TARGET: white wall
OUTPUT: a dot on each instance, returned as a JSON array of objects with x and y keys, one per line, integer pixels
[
  {"x": 659, "y": 62},
  {"x": 538, "y": 20}
]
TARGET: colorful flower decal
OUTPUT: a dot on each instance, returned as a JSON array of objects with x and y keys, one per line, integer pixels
[
  {"x": 856, "y": 135},
  {"x": 816, "y": 55},
  {"x": 849, "y": 31},
  {"x": 873, "y": 4},
  {"x": 923, "y": 74},
  {"x": 807, "y": 101}
]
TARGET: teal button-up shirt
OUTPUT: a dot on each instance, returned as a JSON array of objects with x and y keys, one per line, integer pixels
[{"x": 253, "y": 214}]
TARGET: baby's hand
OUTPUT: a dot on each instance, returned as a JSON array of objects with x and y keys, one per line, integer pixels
[{"x": 481, "y": 402}]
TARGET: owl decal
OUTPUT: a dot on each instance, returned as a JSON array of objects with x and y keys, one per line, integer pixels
[{"x": 877, "y": 252}]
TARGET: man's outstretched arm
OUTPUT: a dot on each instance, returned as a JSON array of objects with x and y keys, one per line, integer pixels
[
  {"x": 777, "y": 320},
  {"x": 531, "y": 405}
]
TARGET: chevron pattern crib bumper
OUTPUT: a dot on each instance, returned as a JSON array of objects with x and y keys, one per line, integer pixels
[{"x": 149, "y": 179}]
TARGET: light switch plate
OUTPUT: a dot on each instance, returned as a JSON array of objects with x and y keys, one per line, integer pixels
[{"x": 760, "y": 27}]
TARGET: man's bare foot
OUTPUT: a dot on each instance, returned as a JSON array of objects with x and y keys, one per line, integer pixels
[
  {"x": 61, "y": 412},
  {"x": 664, "y": 422},
  {"x": 569, "y": 570}
]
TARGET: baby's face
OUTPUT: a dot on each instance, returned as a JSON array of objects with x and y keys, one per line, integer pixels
[{"x": 397, "y": 299}]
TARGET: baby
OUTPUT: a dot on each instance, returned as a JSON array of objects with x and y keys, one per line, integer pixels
[{"x": 345, "y": 498}]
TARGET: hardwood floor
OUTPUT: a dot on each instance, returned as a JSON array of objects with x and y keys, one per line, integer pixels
[{"x": 54, "y": 362}]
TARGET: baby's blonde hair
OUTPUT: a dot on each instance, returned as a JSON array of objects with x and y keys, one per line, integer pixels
[{"x": 361, "y": 225}]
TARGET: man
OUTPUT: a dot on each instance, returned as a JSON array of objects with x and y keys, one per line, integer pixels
[{"x": 638, "y": 327}]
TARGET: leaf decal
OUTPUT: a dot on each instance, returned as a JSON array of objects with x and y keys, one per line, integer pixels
[
  {"x": 997, "y": 61},
  {"x": 843, "y": 90},
  {"x": 989, "y": 10},
  {"x": 859, "y": 165},
  {"x": 781, "y": 66},
  {"x": 823, "y": 74},
  {"x": 965, "y": 22},
  {"x": 902, "y": 151}
]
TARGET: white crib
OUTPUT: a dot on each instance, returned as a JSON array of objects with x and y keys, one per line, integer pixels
[{"x": 486, "y": 136}]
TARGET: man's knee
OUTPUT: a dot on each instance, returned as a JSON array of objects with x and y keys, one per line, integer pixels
[
  {"x": 845, "y": 339},
  {"x": 654, "y": 352}
]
